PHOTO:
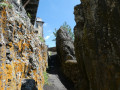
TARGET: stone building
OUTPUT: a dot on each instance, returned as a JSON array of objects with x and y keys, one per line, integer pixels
[
  {"x": 39, "y": 27},
  {"x": 37, "y": 22}
]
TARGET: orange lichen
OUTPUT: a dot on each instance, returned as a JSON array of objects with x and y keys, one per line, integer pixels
[
  {"x": 3, "y": 20},
  {"x": 25, "y": 45},
  {"x": 10, "y": 44},
  {"x": 20, "y": 25},
  {"x": 19, "y": 50},
  {"x": 9, "y": 71}
]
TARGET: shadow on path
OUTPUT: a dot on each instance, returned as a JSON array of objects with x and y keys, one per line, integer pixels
[{"x": 57, "y": 76}]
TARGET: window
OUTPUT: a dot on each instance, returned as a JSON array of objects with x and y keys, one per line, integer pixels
[{"x": 36, "y": 25}]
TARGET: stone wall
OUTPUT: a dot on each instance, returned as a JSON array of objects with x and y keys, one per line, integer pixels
[
  {"x": 23, "y": 58},
  {"x": 97, "y": 44}
]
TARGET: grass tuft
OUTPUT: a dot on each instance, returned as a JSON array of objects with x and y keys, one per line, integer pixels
[{"x": 46, "y": 77}]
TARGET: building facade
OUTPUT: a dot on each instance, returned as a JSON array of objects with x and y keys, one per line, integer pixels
[{"x": 39, "y": 27}]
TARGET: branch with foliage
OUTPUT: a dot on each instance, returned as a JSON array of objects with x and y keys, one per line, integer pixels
[
  {"x": 66, "y": 27},
  {"x": 55, "y": 34}
]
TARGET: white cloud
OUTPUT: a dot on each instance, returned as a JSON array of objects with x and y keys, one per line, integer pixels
[{"x": 47, "y": 37}]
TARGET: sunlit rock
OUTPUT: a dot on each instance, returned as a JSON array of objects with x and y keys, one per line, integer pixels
[{"x": 23, "y": 57}]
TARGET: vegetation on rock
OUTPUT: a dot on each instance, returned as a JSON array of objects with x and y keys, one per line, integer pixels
[
  {"x": 41, "y": 39},
  {"x": 5, "y": 4},
  {"x": 66, "y": 27},
  {"x": 45, "y": 77}
]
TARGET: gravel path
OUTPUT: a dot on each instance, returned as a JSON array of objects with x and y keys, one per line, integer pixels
[{"x": 56, "y": 79}]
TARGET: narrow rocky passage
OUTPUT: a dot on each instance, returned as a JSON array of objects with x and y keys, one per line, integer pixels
[{"x": 56, "y": 80}]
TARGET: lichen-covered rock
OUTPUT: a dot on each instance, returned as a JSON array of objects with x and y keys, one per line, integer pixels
[
  {"x": 65, "y": 51},
  {"x": 97, "y": 44},
  {"x": 22, "y": 56}
]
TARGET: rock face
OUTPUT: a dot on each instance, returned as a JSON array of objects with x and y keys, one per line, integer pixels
[
  {"x": 23, "y": 58},
  {"x": 66, "y": 54},
  {"x": 97, "y": 44},
  {"x": 64, "y": 45},
  {"x": 52, "y": 49}
]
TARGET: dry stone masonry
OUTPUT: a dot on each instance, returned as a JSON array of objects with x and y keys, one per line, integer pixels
[
  {"x": 23, "y": 58},
  {"x": 97, "y": 44}
]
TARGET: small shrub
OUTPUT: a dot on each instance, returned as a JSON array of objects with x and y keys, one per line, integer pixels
[{"x": 3, "y": 4}]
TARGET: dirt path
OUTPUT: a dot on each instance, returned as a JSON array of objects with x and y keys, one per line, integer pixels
[{"x": 56, "y": 80}]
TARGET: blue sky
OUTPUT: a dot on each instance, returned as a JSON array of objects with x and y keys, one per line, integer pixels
[{"x": 54, "y": 13}]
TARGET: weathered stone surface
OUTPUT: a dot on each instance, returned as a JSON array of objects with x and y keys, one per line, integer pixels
[
  {"x": 22, "y": 56},
  {"x": 64, "y": 45},
  {"x": 97, "y": 44},
  {"x": 65, "y": 51},
  {"x": 52, "y": 49}
]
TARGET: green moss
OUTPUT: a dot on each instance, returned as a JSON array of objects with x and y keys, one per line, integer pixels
[{"x": 41, "y": 39}]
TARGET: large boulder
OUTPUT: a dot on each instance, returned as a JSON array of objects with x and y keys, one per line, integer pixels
[
  {"x": 97, "y": 44},
  {"x": 64, "y": 45},
  {"x": 66, "y": 53}
]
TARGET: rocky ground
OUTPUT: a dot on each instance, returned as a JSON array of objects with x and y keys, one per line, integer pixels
[{"x": 56, "y": 79}]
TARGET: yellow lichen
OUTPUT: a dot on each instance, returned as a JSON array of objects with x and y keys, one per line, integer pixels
[{"x": 13, "y": 73}]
